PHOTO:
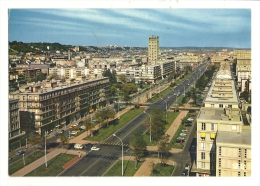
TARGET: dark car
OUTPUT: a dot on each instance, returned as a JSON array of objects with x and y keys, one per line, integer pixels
[
  {"x": 20, "y": 152},
  {"x": 184, "y": 173},
  {"x": 62, "y": 131},
  {"x": 180, "y": 140},
  {"x": 89, "y": 145},
  {"x": 188, "y": 124}
]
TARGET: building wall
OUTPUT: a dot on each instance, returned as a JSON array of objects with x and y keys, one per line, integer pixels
[
  {"x": 153, "y": 49},
  {"x": 52, "y": 106},
  {"x": 233, "y": 160}
]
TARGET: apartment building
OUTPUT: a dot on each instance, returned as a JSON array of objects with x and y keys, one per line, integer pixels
[
  {"x": 243, "y": 65},
  {"x": 50, "y": 104},
  {"x": 14, "y": 128},
  {"x": 153, "y": 49},
  {"x": 219, "y": 124},
  {"x": 148, "y": 73}
]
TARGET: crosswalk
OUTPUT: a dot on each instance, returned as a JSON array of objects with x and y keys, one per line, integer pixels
[{"x": 114, "y": 144}]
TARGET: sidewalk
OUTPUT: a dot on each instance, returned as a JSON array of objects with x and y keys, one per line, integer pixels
[{"x": 40, "y": 161}]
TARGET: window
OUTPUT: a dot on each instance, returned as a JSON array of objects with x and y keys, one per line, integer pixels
[
  {"x": 244, "y": 173},
  {"x": 202, "y": 155},
  {"x": 219, "y": 153},
  {"x": 245, "y": 165},
  {"x": 238, "y": 173},
  {"x": 239, "y": 164},
  {"x": 203, "y": 165},
  {"x": 212, "y": 105},
  {"x": 220, "y": 105},
  {"x": 203, "y": 126},
  {"x": 219, "y": 172},
  {"x": 234, "y": 127},
  {"x": 212, "y": 126},
  {"x": 245, "y": 155},
  {"x": 219, "y": 162},
  {"x": 23, "y": 97},
  {"x": 202, "y": 146},
  {"x": 239, "y": 152}
]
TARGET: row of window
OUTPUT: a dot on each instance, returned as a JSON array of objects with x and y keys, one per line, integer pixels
[
  {"x": 239, "y": 152},
  {"x": 212, "y": 128}
]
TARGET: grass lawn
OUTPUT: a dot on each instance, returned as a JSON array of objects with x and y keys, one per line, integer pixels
[
  {"x": 28, "y": 159},
  {"x": 157, "y": 97},
  {"x": 171, "y": 116},
  {"x": 54, "y": 166},
  {"x": 160, "y": 170},
  {"x": 129, "y": 168},
  {"x": 115, "y": 125}
]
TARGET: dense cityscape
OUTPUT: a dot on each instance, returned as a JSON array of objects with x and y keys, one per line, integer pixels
[{"x": 129, "y": 111}]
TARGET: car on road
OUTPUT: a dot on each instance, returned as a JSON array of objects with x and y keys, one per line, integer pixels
[
  {"x": 95, "y": 148},
  {"x": 78, "y": 146},
  {"x": 89, "y": 145},
  {"x": 184, "y": 173},
  {"x": 20, "y": 152},
  {"x": 62, "y": 131},
  {"x": 193, "y": 147}
]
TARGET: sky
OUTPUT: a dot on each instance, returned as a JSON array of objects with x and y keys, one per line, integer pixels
[{"x": 133, "y": 26}]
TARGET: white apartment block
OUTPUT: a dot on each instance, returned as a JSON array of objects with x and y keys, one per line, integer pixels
[{"x": 219, "y": 124}]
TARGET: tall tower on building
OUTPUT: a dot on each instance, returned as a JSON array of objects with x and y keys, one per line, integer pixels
[{"x": 153, "y": 49}]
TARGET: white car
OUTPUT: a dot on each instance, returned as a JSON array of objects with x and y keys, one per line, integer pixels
[
  {"x": 83, "y": 127},
  {"x": 190, "y": 119},
  {"x": 183, "y": 134},
  {"x": 76, "y": 124},
  {"x": 95, "y": 148},
  {"x": 184, "y": 130}
]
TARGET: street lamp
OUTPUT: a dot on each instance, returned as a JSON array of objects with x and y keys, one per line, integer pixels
[
  {"x": 122, "y": 154},
  {"x": 26, "y": 143},
  {"x": 150, "y": 126},
  {"x": 165, "y": 108},
  {"x": 45, "y": 151},
  {"x": 23, "y": 160}
]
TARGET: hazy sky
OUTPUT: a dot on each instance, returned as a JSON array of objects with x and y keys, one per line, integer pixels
[{"x": 132, "y": 27}]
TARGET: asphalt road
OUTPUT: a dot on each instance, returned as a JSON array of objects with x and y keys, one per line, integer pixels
[{"x": 98, "y": 162}]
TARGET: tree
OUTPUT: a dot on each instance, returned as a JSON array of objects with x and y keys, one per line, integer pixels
[
  {"x": 63, "y": 139},
  {"x": 105, "y": 114},
  {"x": 157, "y": 123},
  {"x": 113, "y": 90},
  {"x": 193, "y": 94},
  {"x": 164, "y": 146},
  {"x": 138, "y": 145},
  {"x": 34, "y": 139},
  {"x": 122, "y": 78},
  {"x": 87, "y": 123},
  {"x": 127, "y": 89},
  {"x": 39, "y": 77}
]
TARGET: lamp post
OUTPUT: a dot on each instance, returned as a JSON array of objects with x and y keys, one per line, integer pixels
[
  {"x": 23, "y": 160},
  {"x": 122, "y": 154},
  {"x": 165, "y": 108},
  {"x": 45, "y": 151},
  {"x": 26, "y": 143},
  {"x": 150, "y": 126}
]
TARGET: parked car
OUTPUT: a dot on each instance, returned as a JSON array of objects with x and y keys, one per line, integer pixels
[
  {"x": 89, "y": 145},
  {"x": 20, "y": 152},
  {"x": 184, "y": 130},
  {"x": 188, "y": 124},
  {"x": 71, "y": 127},
  {"x": 184, "y": 173},
  {"x": 180, "y": 139},
  {"x": 78, "y": 146},
  {"x": 183, "y": 134},
  {"x": 55, "y": 134},
  {"x": 190, "y": 119},
  {"x": 187, "y": 167},
  {"x": 76, "y": 124},
  {"x": 95, "y": 148},
  {"x": 83, "y": 127},
  {"x": 62, "y": 131}
]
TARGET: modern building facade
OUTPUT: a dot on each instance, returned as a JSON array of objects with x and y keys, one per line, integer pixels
[
  {"x": 153, "y": 49},
  {"x": 46, "y": 105},
  {"x": 221, "y": 130},
  {"x": 14, "y": 128}
]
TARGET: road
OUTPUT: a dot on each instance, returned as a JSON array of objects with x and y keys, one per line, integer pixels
[{"x": 98, "y": 162}]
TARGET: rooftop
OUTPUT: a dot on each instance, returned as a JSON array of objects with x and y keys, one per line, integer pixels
[{"x": 235, "y": 138}]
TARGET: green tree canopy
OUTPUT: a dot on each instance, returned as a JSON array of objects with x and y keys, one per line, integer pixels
[
  {"x": 105, "y": 114},
  {"x": 164, "y": 146},
  {"x": 157, "y": 123}
]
